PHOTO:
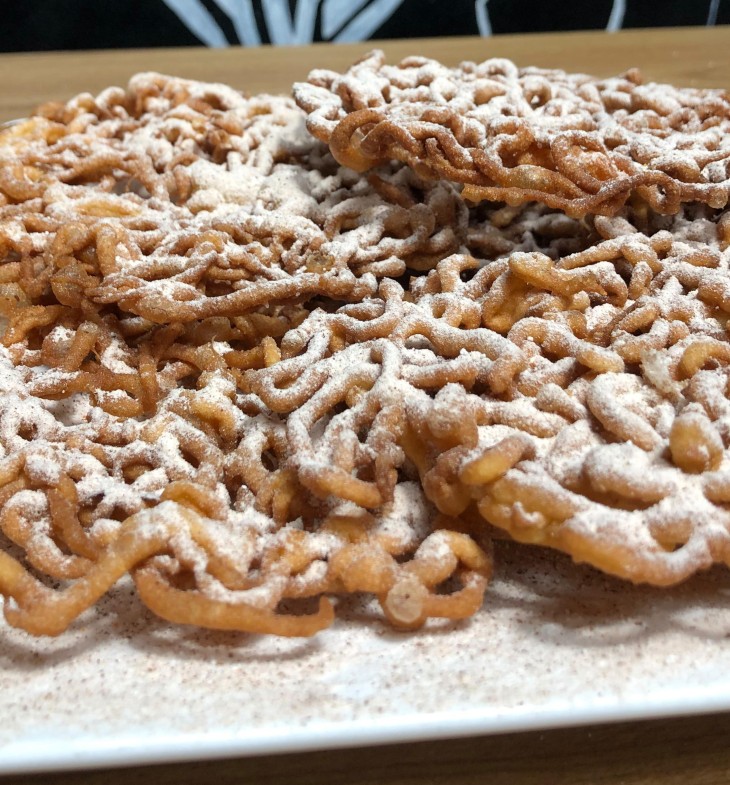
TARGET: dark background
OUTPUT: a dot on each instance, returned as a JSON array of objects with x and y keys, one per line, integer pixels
[{"x": 36, "y": 25}]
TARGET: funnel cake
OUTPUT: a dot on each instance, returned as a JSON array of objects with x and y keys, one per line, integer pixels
[
  {"x": 199, "y": 503},
  {"x": 189, "y": 201},
  {"x": 138, "y": 290},
  {"x": 517, "y": 135},
  {"x": 256, "y": 381},
  {"x": 624, "y": 467}
]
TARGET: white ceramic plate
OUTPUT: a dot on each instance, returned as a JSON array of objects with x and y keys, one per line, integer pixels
[{"x": 555, "y": 645}]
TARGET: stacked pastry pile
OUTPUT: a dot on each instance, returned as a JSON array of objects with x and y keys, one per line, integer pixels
[{"x": 256, "y": 380}]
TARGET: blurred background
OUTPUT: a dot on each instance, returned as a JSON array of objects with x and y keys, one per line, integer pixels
[{"x": 37, "y": 25}]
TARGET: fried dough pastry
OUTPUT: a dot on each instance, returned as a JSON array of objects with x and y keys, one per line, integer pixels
[
  {"x": 622, "y": 460},
  {"x": 179, "y": 201},
  {"x": 256, "y": 381},
  {"x": 591, "y": 424},
  {"x": 569, "y": 141},
  {"x": 89, "y": 497}
]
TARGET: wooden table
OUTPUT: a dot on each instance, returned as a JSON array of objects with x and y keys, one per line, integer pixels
[
  {"x": 689, "y": 56},
  {"x": 693, "y": 750}
]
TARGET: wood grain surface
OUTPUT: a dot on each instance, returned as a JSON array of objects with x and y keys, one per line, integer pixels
[
  {"x": 686, "y": 750},
  {"x": 689, "y": 56}
]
